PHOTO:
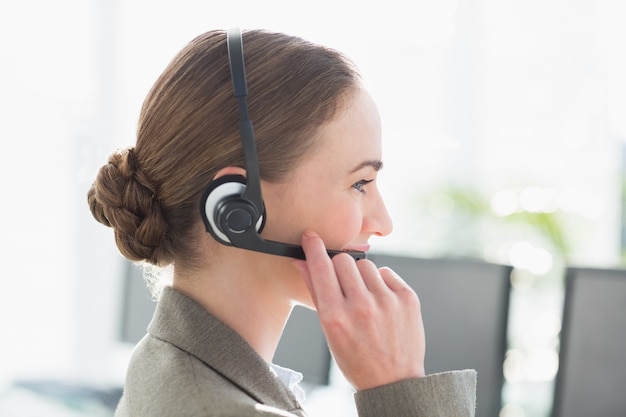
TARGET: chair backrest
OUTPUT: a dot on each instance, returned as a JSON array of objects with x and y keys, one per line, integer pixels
[
  {"x": 465, "y": 306},
  {"x": 591, "y": 380},
  {"x": 303, "y": 347}
]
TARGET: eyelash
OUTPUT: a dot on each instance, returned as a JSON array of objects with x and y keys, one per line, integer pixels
[{"x": 358, "y": 185}]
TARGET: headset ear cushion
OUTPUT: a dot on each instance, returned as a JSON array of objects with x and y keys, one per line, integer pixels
[{"x": 220, "y": 191}]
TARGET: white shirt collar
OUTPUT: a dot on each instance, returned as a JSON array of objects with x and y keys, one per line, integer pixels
[{"x": 291, "y": 379}]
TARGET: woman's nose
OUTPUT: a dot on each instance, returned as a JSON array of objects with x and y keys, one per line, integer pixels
[{"x": 377, "y": 220}]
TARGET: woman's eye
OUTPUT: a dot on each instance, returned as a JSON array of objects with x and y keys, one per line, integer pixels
[{"x": 360, "y": 184}]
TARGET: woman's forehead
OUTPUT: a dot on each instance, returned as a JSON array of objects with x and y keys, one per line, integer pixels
[{"x": 354, "y": 136}]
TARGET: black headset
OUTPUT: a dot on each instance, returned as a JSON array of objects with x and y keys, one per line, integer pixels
[{"x": 232, "y": 206}]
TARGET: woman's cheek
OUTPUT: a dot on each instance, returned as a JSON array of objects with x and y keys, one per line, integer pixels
[{"x": 342, "y": 228}]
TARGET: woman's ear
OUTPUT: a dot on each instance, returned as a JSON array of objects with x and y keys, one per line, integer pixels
[{"x": 230, "y": 171}]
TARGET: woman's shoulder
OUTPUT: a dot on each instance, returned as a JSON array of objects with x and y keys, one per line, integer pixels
[{"x": 165, "y": 380}]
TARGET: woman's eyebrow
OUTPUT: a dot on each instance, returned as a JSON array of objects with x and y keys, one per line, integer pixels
[{"x": 376, "y": 164}]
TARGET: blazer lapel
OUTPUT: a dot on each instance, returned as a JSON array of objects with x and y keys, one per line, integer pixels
[{"x": 186, "y": 324}]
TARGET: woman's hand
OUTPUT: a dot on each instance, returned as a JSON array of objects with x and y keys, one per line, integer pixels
[{"x": 370, "y": 316}]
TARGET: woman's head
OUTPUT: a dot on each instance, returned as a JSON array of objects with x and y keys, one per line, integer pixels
[{"x": 189, "y": 130}]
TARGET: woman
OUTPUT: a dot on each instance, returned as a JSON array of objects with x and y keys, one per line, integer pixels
[{"x": 209, "y": 347}]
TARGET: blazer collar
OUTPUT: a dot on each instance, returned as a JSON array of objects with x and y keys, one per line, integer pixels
[{"x": 184, "y": 323}]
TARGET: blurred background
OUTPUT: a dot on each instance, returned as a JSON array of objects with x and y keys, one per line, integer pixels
[{"x": 504, "y": 132}]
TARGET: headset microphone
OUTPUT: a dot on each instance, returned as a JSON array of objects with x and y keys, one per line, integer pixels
[{"x": 232, "y": 206}]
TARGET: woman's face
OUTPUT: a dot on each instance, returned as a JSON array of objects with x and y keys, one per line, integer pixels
[{"x": 334, "y": 190}]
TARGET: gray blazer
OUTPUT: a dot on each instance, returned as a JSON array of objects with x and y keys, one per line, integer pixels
[{"x": 192, "y": 364}]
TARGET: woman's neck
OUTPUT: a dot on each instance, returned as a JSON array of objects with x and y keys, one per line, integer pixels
[{"x": 246, "y": 294}]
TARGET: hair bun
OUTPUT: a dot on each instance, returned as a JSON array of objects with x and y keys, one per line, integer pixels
[{"x": 122, "y": 198}]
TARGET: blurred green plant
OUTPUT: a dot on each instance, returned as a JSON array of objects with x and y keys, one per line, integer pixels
[{"x": 471, "y": 218}]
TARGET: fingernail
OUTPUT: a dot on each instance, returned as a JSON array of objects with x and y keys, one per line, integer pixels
[{"x": 309, "y": 233}]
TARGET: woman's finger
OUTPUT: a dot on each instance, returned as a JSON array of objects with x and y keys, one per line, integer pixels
[
  {"x": 371, "y": 276},
  {"x": 321, "y": 277},
  {"x": 348, "y": 275}
]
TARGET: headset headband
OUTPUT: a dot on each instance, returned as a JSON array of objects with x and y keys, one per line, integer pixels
[{"x": 238, "y": 74}]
